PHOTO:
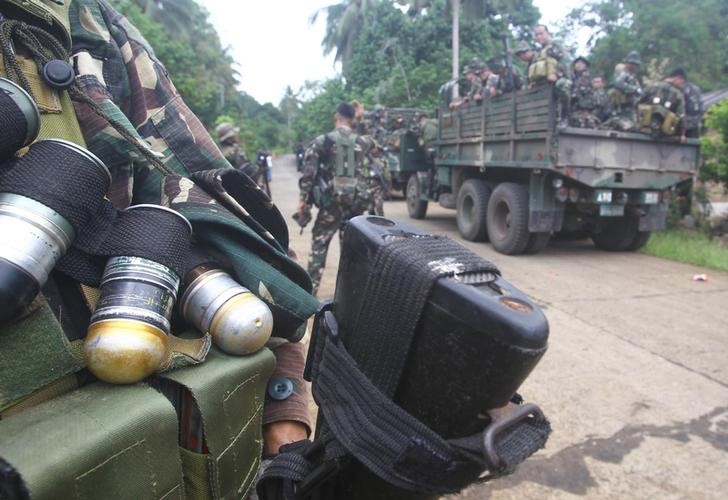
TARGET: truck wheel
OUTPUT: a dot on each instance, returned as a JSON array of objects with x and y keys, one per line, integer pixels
[
  {"x": 472, "y": 208},
  {"x": 640, "y": 240},
  {"x": 508, "y": 218},
  {"x": 416, "y": 207},
  {"x": 617, "y": 234},
  {"x": 537, "y": 242}
]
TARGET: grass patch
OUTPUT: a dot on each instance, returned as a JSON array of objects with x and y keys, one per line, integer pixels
[{"x": 689, "y": 247}]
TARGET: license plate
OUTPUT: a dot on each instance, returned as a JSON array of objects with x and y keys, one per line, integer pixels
[{"x": 611, "y": 210}]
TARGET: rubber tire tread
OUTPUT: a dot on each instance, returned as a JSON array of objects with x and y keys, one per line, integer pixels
[
  {"x": 417, "y": 209},
  {"x": 617, "y": 235},
  {"x": 537, "y": 242},
  {"x": 480, "y": 194},
  {"x": 640, "y": 240},
  {"x": 516, "y": 196}
]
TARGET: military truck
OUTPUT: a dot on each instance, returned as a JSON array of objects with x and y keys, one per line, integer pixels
[
  {"x": 404, "y": 155},
  {"x": 516, "y": 178}
]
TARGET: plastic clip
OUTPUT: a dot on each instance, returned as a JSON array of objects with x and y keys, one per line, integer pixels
[{"x": 502, "y": 421}]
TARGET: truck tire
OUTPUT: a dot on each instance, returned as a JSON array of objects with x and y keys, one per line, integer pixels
[
  {"x": 537, "y": 242},
  {"x": 508, "y": 218},
  {"x": 617, "y": 234},
  {"x": 640, "y": 240},
  {"x": 416, "y": 207},
  {"x": 472, "y": 208}
]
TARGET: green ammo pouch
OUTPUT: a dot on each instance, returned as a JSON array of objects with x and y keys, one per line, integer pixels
[
  {"x": 94, "y": 442},
  {"x": 220, "y": 404},
  {"x": 644, "y": 115}
]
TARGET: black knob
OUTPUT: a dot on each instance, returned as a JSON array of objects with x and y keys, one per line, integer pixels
[{"x": 58, "y": 74}]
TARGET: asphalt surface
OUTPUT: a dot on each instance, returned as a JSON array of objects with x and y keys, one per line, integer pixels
[{"x": 635, "y": 381}]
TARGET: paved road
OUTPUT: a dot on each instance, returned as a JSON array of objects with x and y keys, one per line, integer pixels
[{"x": 635, "y": 381}]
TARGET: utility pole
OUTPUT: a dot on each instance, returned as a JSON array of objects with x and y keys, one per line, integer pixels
[{"x": 455, "y": 46}]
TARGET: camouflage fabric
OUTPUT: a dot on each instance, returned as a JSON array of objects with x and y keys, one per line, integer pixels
[
  {"x": 234, "y": 154},
  {"x": 693, "y": 110},
  {"x": 583, "y": 110},
  {"x": 663, "y": 97},
  {"x": 550, "y": 51},
  {"x": 490, "y": 84},
  {"x": 117, "y": 68},
  {"x": 505, "y": 85},
  {"x": 476, "y": 90},
  {"x": 625, "y": 94},
  {"x": 428, "y": 133},
  {"x": 602, "y": 108},
  {"x": 341, "y": 205}
]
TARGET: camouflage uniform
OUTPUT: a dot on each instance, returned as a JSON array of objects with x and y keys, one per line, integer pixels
[
  {"x": 602, "y": 108},
  {"x": 662, "y": 96},
  {"x": 118, "y": 70},
  {"x": 342, "y": 198},
  {"x": 624, "y": 96},
  {"x": 233, "y": 153},
  {"x": 693, "y": 110},
  {"x": 583, "y": 103}
]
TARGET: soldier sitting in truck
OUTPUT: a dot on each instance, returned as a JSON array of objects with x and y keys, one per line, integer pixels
[
  {"x": 661, "y": 109},
  {"x": 583, "y": 103}
]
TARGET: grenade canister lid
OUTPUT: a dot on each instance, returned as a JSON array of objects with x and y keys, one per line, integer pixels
[
  {"x": 83, "y": 152},
  {"x": 166, "y": 209},
  {"x": 27, "y": 106}
]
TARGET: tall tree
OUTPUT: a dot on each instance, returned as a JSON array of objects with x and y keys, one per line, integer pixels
[
  {"x": 343, "y": 24},
  {"x": 667, "y": 34}
]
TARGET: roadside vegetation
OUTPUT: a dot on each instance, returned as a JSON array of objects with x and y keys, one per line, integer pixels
[{"x": 691, "y": 247}]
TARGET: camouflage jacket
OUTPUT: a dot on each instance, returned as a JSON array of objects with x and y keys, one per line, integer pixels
[
  {"x": 582, "y": 92},
  {"x": 693, "y": 106},
  {"x": 602, "y": 108},
  {"x": 505, "y": 85},
  {"x": 476, "y": 89},
  {"x": 670, "y": 96},
  {"x": 629, "y": 87},
  {"x": 554, "y": 51},
  {"x": 119, "y": 70},
  {"x": 234, "y": 154},
  {"x": 428, "y": 133},
  {"x": 320, "y": 167}
]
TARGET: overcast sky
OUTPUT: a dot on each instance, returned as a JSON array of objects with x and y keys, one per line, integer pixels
[{"x": 275, "y": 45}]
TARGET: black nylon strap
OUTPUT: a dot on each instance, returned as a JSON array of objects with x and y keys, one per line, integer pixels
[
  {"x": 14, "y": 126},
  {"x": 396, "y": 292}
]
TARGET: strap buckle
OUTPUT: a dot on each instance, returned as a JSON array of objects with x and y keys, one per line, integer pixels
[
  {"x": 502, "y": 420},
  {"x": 324, "y": 323}
]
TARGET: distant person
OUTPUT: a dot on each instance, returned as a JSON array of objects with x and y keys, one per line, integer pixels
[
  {"x": 625, "y": 93},
  {"x": 549, "y": 67},
  {"x": 602, "y": 109},
  {"x": 509, "y": 79},
  {"x": 661, "y": 109},
  {"x": 693, "y": 109},
  {"x": 583, "y": 103},
  {"x": 227, "y": 135}
]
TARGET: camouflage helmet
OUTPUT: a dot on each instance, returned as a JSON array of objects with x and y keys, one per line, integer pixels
[
  {"x": 226, "y": 131},
  {"x": 467, "y": 69},
  {"x": 633, "y": 57},
  {"x": 523, "y": 46}
]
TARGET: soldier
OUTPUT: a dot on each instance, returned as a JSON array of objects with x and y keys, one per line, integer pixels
[
  {"x": 661, "y": 109},
  {"x": 475, "y": 87},
  {"x": 625, "y": 93},
  {"x": 488, "y": 80},
  {"x": 602, "y": 109},
  {"x": 227, "y": 136},
  {"x": 333, "y": 180},
  {"x": 583, "y": 105},
  {"x": 525, "y": 53},
  {"x": 549, "y": 66},
  {"x": 151, "y": 161},
  {"x": 693, "y": 109},
  {"x": 509, "y": 79}
]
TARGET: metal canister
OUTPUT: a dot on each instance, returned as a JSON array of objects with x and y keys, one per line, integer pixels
[
  {"x": 239, "y": 322},
  {"x": 20, "y": 118},
  {"x": 35, "y": 236},
  {"x": 128, "y": 336}
]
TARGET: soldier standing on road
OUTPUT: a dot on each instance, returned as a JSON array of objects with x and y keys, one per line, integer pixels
[
  {"x": 693, "y": 109},
  {"x": 333, "y": 180},
  {"x": 625, "y": 94},
  {"x": 583, "y": 104},
  {"x": 227, "y": 135}
]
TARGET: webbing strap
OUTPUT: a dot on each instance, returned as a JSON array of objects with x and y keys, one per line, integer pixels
[
  {"x": 396, "y": 291},
  {"x": 345, "y": 155}
]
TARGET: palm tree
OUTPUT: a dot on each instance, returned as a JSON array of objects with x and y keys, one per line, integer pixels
[{"x": 344, "y": 22}]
